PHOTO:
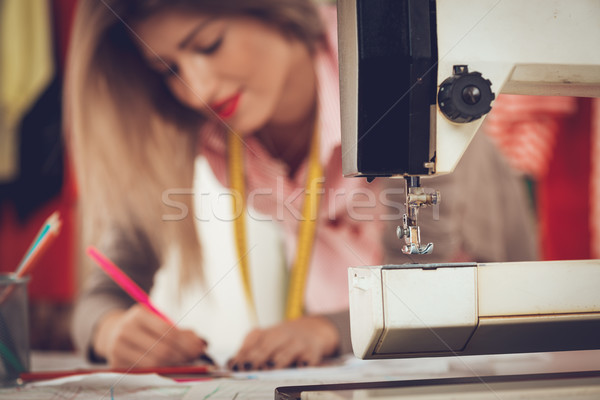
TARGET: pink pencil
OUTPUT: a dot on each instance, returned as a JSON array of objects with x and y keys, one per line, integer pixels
[{"x": 125, "y": 282}]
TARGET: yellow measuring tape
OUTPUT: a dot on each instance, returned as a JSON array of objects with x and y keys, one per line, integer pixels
[{"x": 306, "y": 230}]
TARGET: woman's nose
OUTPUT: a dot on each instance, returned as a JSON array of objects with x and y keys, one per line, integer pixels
[{"x": 196, "y": 84}]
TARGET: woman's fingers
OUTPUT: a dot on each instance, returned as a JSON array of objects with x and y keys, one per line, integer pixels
[
  {"x": 302, "y": 342},
  {"x": 189, "y": 343},
  {"x": 252, "y": 341},
  {"x": 310, "y": 358},
  {"x": 260, "y": 346},
  {"x": 284, "y": 351},
  {"x": 258, "y": 352},
  {"x": 142, "y": 339},
  {"x": 291, "y": 355}
]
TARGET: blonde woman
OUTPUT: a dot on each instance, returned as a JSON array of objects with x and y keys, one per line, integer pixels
[{"x": 252, "y": 87}]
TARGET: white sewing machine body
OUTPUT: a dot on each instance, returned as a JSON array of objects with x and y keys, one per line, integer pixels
[
  {"x": 461, "y": 309},
  {"x": 416, "y": 80}
]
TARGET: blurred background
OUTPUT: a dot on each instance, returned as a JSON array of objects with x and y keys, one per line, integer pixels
[{"x": 35, "y": 176}]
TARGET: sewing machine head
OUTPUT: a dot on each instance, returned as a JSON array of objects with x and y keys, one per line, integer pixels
[
  {"x": 418, "y": 77},
  {"x": 416, "y": 80}
]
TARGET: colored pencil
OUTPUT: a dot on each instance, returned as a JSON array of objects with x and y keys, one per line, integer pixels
[
  {"x": 42, "y": 242},
  {"x": 48, "y": 232},
  {"x": 174, "y": 370},
  {"x": 125, "y": 282}
]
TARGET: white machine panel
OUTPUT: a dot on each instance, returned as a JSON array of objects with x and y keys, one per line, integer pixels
[
  {"x": 445, "y": 309},
  {"x": 414, "y": 303},
  {"x": 551, "y": 287}
]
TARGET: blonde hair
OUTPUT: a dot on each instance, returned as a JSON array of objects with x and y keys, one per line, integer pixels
[{"x": 130, "y": 139}]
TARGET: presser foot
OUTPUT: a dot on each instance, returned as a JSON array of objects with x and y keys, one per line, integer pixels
[{"x": 412, "y": 239}]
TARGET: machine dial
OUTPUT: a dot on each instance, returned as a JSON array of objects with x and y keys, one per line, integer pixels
[{"x": 465, "y": 96}]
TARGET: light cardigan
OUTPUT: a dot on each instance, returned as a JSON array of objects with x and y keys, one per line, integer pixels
[{"x": 348, "y": 230}]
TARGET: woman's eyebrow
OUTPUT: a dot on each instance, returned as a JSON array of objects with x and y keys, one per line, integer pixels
[{"x": 186, "y": 40}]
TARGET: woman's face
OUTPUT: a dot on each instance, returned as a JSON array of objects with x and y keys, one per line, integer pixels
[{"x": 233, "y": 69}]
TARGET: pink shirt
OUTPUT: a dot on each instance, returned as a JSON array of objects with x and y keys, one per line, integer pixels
[{"x": 348, "y": 229}]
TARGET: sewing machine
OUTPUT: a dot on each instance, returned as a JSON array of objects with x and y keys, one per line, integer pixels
[{"x": 417, "y": 78}]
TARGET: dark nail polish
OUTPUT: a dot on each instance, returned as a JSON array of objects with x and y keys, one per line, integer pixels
[
  {"x": 303, "y": 363},
  {"x": 235, "y": 367},
  {"x": 248, "y": 366},
  {"x": 207, "y": 359},
  {"x": 270, "y": 364}
]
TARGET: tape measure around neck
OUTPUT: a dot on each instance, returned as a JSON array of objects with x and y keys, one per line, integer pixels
[{"x": 306, "y": 229}]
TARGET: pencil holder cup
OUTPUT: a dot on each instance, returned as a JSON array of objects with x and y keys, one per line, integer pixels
[{"x": 14, "y": 329}]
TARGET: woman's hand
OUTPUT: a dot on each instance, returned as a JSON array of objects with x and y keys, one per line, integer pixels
[
  {"x": 301, "y": 342},
  {"x": 138, "y": 338}
]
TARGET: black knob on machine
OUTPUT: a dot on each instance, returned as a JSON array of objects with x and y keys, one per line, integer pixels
[{"x": 465, "y": 96}]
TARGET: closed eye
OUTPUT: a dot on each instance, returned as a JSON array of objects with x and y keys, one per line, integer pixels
[{"x": 210, "y": 49}]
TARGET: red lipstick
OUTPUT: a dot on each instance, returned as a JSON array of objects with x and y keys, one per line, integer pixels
[{"x": 227, "y": 107}]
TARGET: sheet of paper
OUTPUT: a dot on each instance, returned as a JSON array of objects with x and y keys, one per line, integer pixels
[
  {"x": 109, "y": 386},
  {"x": 261, "y": 385}
]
